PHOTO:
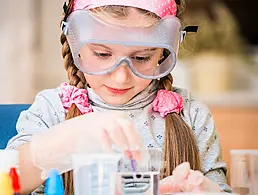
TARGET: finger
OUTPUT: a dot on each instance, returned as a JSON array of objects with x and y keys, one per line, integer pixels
[
  {"x": 136, "y": 155},
  {"x": 128, "y": 154},
  {"x": 107, "y": 143},
  {"x": 196, "y": 189},
  {"x": 168, "y": 185},
  {"x": 116, "y": 134},
  {"x": 184, "y": 186},
  {"x": 195, "y": 178},
  {"x": 133, "y": 137},
  {"x": 193, "y": 182},
  {"x": 209, "y": 186},
  {"x": 182, "y": 171}
]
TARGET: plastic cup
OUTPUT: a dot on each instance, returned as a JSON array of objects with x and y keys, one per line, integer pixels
[
  {"x": 95, "y": 174},
  {"x": 244, "y": 171}
]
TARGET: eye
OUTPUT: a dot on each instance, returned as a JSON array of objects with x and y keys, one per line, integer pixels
[
  {"x": 102, "y": 55},
  {"x": 141, "y": 59}
]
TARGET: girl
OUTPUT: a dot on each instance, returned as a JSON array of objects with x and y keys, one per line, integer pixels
[{"x": 118, "y": 56}]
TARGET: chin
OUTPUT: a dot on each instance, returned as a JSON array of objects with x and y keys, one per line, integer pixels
[{"x": 116, "y": 101}]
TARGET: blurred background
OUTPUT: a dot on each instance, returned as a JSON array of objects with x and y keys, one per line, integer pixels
[{"x": 219, "y": 64}]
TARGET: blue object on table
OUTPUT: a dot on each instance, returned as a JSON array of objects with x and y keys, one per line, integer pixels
[
  {"x": 54, "y": 184},
  {"x": 9, "y": 114}
]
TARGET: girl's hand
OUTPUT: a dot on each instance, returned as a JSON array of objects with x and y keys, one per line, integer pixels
[
  {"x": 90, "y": 133},
  {"x": 186, "y": 180},
  {"x": 113, "y": 129}
]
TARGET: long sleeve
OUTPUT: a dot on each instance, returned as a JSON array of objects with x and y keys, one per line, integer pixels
[
  {"x": 209, "y": 146},
  {"x": 42, "y": 114}
]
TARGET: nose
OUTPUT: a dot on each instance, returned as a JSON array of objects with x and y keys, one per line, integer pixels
[{"x": 121, "y": 74}]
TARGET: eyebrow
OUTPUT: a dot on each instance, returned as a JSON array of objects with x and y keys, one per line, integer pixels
[
  {"x": 95, "y": 44},
  {"x": 148, "y": 49}
]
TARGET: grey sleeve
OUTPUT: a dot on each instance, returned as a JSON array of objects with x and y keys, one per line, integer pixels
[
  {"x": 45, "y": 112},
  {"x": 209, "y": 146}
]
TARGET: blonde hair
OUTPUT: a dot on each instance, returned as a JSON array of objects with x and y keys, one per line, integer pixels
[{"x": 180, "y": 144}]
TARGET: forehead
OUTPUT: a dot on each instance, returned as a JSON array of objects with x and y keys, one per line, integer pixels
[{"x": 134, "y": 19}]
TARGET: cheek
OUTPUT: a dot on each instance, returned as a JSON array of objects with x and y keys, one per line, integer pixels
[
  {"x": 142, "y": 83},
  {"x": 94, "y": 81}
]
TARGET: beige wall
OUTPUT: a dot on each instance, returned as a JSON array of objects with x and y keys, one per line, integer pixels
[
  {"x": 49, "y": 71},
  {"x": 238, "y": 128},
  {"x": 16, "y": 53},
  {"x": 30, "y": 55}
]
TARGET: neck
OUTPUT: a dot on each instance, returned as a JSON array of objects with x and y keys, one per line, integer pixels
[{"x": 139, "y": 101}]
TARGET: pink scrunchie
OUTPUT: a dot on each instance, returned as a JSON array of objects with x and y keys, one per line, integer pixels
[
  {"x": 73, "y": 95},
  {"x": 167, "y": 102}
]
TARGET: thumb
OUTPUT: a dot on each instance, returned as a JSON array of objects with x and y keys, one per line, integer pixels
[
  {"x": 182, "y": 171},
  {"x": 209, "y": 186},
  {"x": 168, "y": 185}
]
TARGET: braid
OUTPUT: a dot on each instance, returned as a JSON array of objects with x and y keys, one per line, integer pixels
[
  {"x": 180, "y": 144},
  {"x": 166, "y": 82},
  {"x": 76, "y": 78}
]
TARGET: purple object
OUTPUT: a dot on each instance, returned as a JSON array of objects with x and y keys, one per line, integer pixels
[{"x": 133, "y": 164}]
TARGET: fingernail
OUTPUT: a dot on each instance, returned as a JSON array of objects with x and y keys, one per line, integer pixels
[{"x": 136, "y": 155}]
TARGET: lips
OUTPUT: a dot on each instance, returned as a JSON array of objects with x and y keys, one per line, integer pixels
[{"x": 117, "y": 91}]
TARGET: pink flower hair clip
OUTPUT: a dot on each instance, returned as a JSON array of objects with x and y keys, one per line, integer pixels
[
  {"x": 167, "y": 102},
  {"x": 73, "y": 95}
]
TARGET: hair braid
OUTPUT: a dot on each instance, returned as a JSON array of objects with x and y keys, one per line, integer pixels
[
  {"x": 180, "y": 144},
  {"x": 76, "y": 78}
]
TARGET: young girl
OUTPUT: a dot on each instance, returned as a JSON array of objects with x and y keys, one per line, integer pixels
[{"x": 118, "y": 56}]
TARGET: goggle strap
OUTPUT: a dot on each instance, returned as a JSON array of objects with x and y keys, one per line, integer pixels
[
  {"x": 64, "y": 27},
  {"x": 187, "y": 29}
]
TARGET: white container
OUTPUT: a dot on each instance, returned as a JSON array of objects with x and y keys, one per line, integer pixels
[
  {"x": 113, "y": 174},
  {"x": 95, "y": 174},
  {"x": 144, "y": 180},
  {"x": 8, "y": 159}
]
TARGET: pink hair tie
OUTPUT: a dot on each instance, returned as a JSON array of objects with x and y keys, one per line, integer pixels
[
  {"x": 73, "y": 95},
  {"x": 167, "y": 102}
]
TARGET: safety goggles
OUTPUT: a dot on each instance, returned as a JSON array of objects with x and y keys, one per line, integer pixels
[{"x": 100, "y": 47}]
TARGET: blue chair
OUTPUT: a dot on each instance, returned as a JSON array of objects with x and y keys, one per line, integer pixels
[{"x": 9, "y": 114}]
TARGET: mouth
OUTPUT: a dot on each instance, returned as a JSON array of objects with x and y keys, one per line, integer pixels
[{"x": 117, "y": 91}]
